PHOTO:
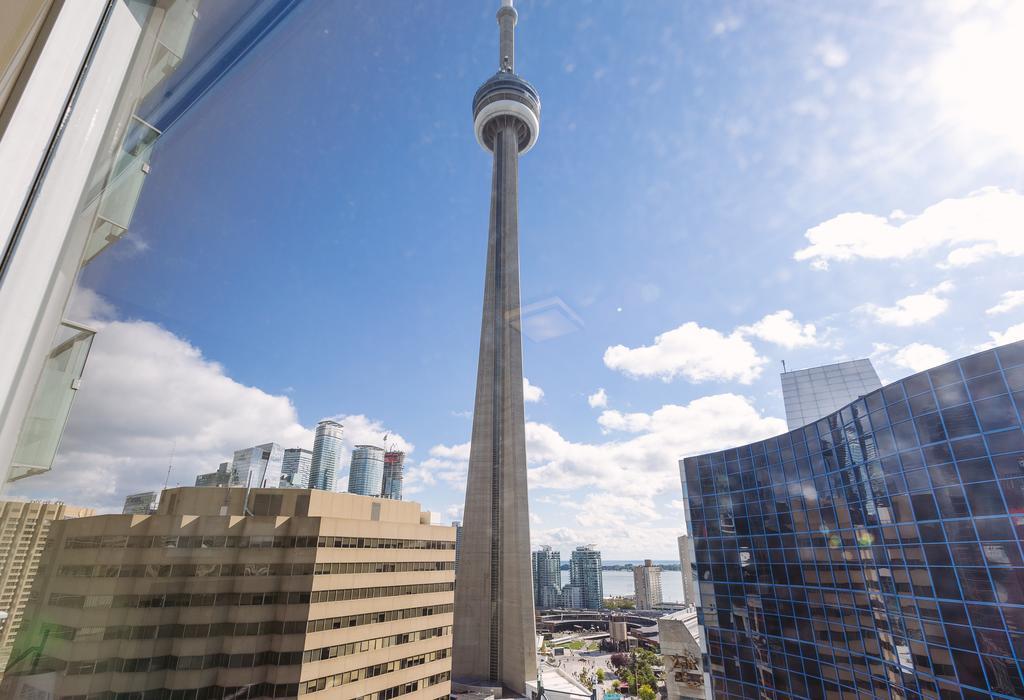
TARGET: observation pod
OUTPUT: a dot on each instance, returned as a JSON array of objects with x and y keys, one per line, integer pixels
[{"x": 505, "y": 98}]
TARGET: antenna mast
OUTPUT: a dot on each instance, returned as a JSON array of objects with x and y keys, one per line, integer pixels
[{"x": 170, "y": 465}]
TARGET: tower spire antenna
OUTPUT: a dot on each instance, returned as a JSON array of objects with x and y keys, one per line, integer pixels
[{"x": 507, "y": 18}]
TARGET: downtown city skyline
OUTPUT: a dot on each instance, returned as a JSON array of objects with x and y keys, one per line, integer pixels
[{"x": 745, "y": 189}]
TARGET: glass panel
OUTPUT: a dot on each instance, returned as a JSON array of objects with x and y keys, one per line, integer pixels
[{"x": 44, "y": 425}]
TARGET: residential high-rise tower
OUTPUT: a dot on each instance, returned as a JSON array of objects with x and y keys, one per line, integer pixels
[
  {"x": 394, "y": 463},
  {"x": 326, "y": 455},
  {"x": 547, "y": 578},
  {"x": 295, "y": 467},
  {"x": 494, "y": 643},
  {"x": 24, "y": 529},
  {"x": 458, "y": 543},
  {"x": 366, "y": 473},
  {"x": 686, "y": 569},
  {"x": 647, "y": 585},
  {"x": 585, "y": 572}
]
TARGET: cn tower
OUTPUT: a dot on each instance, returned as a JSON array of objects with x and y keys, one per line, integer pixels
[{"x": 494, "y": 643}]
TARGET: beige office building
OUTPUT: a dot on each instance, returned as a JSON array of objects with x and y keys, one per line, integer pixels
[
  {"x": 24, "y": 527},
  {"x": 281, "y": 593},
  {"x": 647, "y": 585}
]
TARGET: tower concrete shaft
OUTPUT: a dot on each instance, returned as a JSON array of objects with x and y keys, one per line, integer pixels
[{"x": 494, "y": 635}]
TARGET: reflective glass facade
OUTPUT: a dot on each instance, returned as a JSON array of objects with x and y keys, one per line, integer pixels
[
  {"x": 876, "y": 552},
  {"x": 327, "y": 447},
  {"x": 366, "y": 473}
]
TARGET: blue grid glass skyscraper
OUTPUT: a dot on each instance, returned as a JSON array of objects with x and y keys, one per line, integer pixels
[
  {"x": 876, "y": 552},
  {"x": 326, "y": 455}
]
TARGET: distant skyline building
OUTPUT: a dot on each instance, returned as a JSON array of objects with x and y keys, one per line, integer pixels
[
  {"x": 366, "y": 472},
  {"x": 647, "y": 585},
  {"x": 571, "y": 597},
  {"x": 221, "y": 477},
  {"x": 394, "y": 465},
  {"x": 686, "y": 569},
  {"x": 257, "y": 467},
  {"x": 142, "y": 503},
  {"x": 547, "y": 578},
  {"x": 295, "y": 467},
  {"x": 458, "y": 543},
  {"x": 585, "y": 572},
  {"x": 495, "y": 643},
  {"x": 327, "y": 448},
  {"x": 213, "y": 598},
  {"x": 875, "y": 551},
  {"x": 24, "y": 530},
  {"x": 809, "y": 394}
]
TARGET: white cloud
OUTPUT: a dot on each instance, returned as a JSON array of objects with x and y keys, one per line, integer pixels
[
  {"x": 782, "y": 329},
  {"x": 531, "y": 393},
  {"x": 831, "y": 53},
  {"x": 447, "y": 463},
  {"x": 699, "y": 354},
  {"x": 1009, "y": 301},
  {"x": 626, "y": 422},
  {"x": 986, "y": 223},
  {"x": 913, "y": 309},
  {"x": 599, "y": 399},
  {"x": 622, "y": 475},
  {"x": 919, "y": 356},
  {"x": 1010, "y": 335},
  {"x": 454, "y": 513},
  {"x": 647, "y": 462},
  {"x": 146, "y": 391}
]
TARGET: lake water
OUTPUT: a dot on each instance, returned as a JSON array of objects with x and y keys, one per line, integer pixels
[{"x": 620, "y": 583}]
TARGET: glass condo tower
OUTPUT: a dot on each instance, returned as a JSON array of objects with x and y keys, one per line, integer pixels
[{"x": 873, "y": 553}]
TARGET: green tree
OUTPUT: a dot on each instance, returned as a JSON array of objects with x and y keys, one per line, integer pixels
[
  {"x": 639, "y": 672},
  {"x": 646, "y": 692},
  {"x": 615, "y": 685},
  {"x": 600, "y": 675}
]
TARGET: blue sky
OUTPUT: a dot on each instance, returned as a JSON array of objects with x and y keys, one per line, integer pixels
[{"x": 716, "y": 188}]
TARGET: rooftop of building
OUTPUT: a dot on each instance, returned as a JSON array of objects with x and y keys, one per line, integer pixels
[
  {"x": 688, "y": 616},
  {"x": 955, "y": 372},
  {"x": 862, "y": 363},
  {"x": 557, "y": 680},
  {"x": 221, "y": 501}
]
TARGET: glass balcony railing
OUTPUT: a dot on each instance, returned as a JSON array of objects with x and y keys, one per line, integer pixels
[{"x": 41, "y": 432}]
